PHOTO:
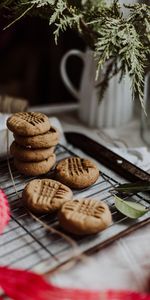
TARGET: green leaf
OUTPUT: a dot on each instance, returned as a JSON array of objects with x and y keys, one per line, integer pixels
[
  {"x": 130, "y": 209},
  {"x": 133, "y": 187}
]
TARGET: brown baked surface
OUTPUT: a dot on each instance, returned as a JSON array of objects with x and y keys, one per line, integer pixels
[
  {"x": 28, "y": 154},
  {"x": 35, "y": 168},
  {"x": 46, "y": 140},
  {"x": 85, "y": 216},
  {"x": 45, "y": 195},
  {"x": 77, "y": 172},
  {"x": 28, "y": 123}
]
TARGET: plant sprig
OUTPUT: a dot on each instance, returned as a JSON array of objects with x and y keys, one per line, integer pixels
[{"x": 111, "y": 35}]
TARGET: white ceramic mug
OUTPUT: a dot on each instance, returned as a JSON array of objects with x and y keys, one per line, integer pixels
[
  {"x": 116, "y": 107},
  {"x": 86, "y": 91}
]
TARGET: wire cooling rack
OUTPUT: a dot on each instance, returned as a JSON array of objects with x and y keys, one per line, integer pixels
[{"x": 39, "y": 243}]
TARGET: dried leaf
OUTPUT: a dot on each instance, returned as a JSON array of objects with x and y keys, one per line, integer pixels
[{"x": 129, "y": 208}]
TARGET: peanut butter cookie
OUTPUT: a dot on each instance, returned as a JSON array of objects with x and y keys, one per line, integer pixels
[
  {"x": 77, "y": 172},
  {"x": 35, "y": 168},
  {"x": 45, "y": 195},
  {"x": 28, "y": 154},
  {"x": 84, "y": 216},
  {"x": 28, "y": 123},
  {"x": 46, "y": 140}
]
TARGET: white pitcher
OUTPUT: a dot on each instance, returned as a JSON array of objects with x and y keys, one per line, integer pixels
[{"x": 116, "y": 107}]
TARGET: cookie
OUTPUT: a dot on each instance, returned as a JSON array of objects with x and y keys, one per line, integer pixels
[
  {"x": 35, "y": 168},
  {"x": 45, "y": 195},
  {"x": 28, "y": 123},
  {"x": 46, "y": 140},
  {"x": 84, "y": 216},
  {"x": 77, "y": 172},
  {"x": 28, "y": 154}
]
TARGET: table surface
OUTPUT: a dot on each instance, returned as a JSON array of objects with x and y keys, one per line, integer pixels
[{"x": 125, "y": 264}]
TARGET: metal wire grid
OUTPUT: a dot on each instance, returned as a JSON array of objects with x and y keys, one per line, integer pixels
[{"x": 27, "y": 244}]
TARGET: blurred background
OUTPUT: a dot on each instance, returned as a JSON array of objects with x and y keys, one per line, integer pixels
[{"x": 30, "y": 60}]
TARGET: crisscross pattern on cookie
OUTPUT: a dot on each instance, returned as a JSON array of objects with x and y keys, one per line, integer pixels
[
  {"x": 46, "y": 195},
  {"x": 89, "y": 207},
  {"x": 31, "y": 117},
  {"x": 78, "y": 166},
  {"x": 51, "y": 190},
  {"x": 77, "y": 172},
  {"x": 28, "y": 123},
  {"x": 85, "y": 216}
]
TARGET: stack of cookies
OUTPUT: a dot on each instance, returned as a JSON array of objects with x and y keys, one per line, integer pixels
[{"x": 35, "y": 141}]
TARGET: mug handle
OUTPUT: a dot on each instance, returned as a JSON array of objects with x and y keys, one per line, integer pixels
[{"x": 63, "y": 70}]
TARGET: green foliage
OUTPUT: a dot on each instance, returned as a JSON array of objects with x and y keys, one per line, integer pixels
[
  {"x": 123, "y": 41},
  {"x": 68, "y": 16}
]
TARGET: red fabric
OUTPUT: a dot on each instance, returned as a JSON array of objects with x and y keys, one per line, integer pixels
[
  {"x": 4, "y": 211},
  {"x": 23, "y": 285}
]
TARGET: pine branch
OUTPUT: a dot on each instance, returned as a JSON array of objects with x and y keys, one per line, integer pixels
[{"x": 67, "y": 16}]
